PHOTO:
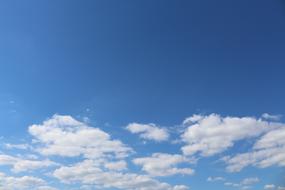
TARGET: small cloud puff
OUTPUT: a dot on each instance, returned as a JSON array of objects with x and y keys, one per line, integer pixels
[{"x": 149, "y": 131}]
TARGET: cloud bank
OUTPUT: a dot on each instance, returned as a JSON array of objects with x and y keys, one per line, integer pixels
[{"x": 66, "y": 151}]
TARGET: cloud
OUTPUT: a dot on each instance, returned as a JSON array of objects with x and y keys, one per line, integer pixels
[
  {"x": 92, "y": 159},
  {"x": 23, "y": 183},
  {"x": 212, "y": 134},
  {"x": 269, "y": 186},
  {"x": 103, "y": 164},
  {"x": 267, "y": 151},
  {"x": 88, "y": 173},
  {"x": 271, "y": 117},
  {"x": 21, "y": 165},
  {"x": 272, "y": 186},
  {"x": 249, "y": 181},
  {"x": 119, "y": 165},
  {"x": 65, "y": 136},
  {"x": 180, "y": 187},
  {"x": 46, "y": 188},
  {"x": 213, "y": 179},
  {"x": 232, "y": 184},
  {"x": 161, "y": 164},
  {"x": 244, "y": 184},
  {"x": 148, "y": 131},
  {"x": 17, "y": 146}
]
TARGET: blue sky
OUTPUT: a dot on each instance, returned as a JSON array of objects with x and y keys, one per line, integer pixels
[{"x": 177, "y": 94}]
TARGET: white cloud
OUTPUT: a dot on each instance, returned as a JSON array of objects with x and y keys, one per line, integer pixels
[
  {"x": 7, "y": 160},
  {"x": 267, "y": 151},
  {"x": 65, "y": 136},
  {"x": 231, "y": 184},
  {"x": 193, "y": 119},
  {"x": 103, "y": 166},
  {"x": 102, "y": 160},
  {"x": 244, "y": 184},
  {"x": 119, "y": 165},
  {"x": 269, "y": 186},
  {"x": 46, "y": 188},
  {"x": 271, "y": 117},
  {"x": 148, "y": 131},
  {"x": 88, "y": 173},
  {"x": 23, "y": 183},
  {"x": 213, "y": 179},
  {"x": 180, "y": 187},
  {"x": 212, "y": 134},
  {"x": 17, "y": 146},
  {"x": 160, "y": 164},
  {"x": 273, "y": 187},
  {"x": 20, "y": 165},
  {"x": 249, "y": 181}
]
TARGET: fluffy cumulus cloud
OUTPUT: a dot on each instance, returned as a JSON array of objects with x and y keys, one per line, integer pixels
[
  {"x": 148, "y": 131},
  {"x": 76, "y": 155},
  {"x": 21, "y": 165},
  {"x": 65, "y": 136},
  {"x": 160, "y": 164},
  {"x": 212, "y": 134},
  {"x": 267, "y": 151},
  {"x": 101, "y": 159},
  {"x": 89, "y": 173},
  {"x": 22, "y": 183}
]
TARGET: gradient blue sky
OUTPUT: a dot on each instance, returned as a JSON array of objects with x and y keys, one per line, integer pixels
[{"x": 110, "y": 63}]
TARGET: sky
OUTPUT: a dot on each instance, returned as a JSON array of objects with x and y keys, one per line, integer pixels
[{"x": 142, "y": 95}]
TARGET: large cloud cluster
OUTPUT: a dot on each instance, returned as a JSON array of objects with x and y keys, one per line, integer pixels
[
  {"x": 88, "y": 172},
  {"x": 90, "y": 158},
  {"x": 21, "y": 165},
  {"x": 267, "y": 151},
  {"x": 65, "y": 136},
  {"x": 23, "y": 183},
  {"x": 212, "y": 134},
  {"x": 102, "y": 156}
]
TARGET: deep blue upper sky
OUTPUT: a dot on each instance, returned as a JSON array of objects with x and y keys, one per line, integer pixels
[
  {"x": 143, "y": 60},
  {"x": 146, "y": 61}
]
